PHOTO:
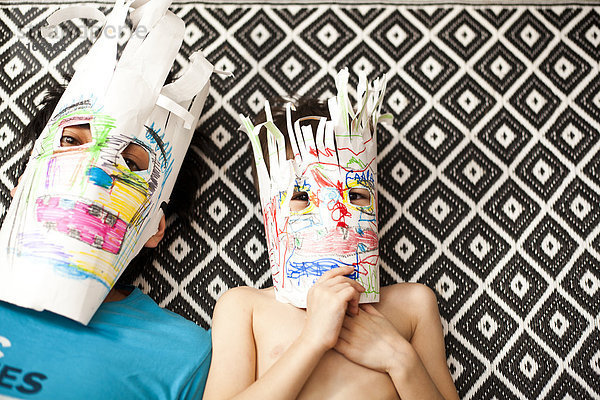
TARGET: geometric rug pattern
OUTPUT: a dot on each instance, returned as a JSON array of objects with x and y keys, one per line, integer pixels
[{"x": 489, "y": 176}]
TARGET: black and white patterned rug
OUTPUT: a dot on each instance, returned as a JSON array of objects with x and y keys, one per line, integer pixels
[{"x": 489, "y": 176}]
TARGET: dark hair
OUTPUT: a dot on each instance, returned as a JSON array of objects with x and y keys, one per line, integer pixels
[
  {"x": 302, "y": 107},
  {"x": 182, "y": 198},
  {"x": 40, "y": 119}
]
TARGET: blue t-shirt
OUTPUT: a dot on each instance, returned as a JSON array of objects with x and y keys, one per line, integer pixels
[{"x": 131, "y": 349}]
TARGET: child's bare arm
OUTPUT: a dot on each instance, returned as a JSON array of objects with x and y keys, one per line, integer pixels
[
  {"x": 416, "y": 364},
  {"x": 233, "y": 367},
  {"x": 428, "y": 341}
]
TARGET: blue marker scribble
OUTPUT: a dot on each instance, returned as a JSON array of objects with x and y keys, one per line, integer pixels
[
  {"x": 369, "y": 219},
  {"x": 330, "y": 194},
  {"x": 75, "y": 272},
  {"x": 66, "y": 204},
  {"x": 167, "y": 147},
  {"x": 317, "y": 268},
  {"x": 302, "y": 185},
  {"x": 100, "y": 178},
  {"x": 39, "y": 250},
  {"x": 364, "y": 178},
  {"x": 299, "y": 224}
]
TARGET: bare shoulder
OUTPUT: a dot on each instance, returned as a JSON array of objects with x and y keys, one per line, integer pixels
[
  {"x": 235, "y": 311},
  {"x": 238, "y": 294},
  {"x": 408, "y": 302},
  {"x": 410, "y": 295},
  {"x": 242, "y": 298}
]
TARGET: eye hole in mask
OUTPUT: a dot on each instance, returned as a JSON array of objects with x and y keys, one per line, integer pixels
[
  {"x": 75, "y": 135},
  {"x": 135, "y": 156},
  {"x": 359, "y": 197},
  {"x": 299, "y": 201}
]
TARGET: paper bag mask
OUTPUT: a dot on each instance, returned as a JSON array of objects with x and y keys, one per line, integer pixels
[
  {"x": 333, "y": 229},
  {"x": 80, "y": 213}
]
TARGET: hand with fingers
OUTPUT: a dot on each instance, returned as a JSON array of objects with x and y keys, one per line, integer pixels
[
  {"x": 329, "y": 300},
  {"x": 369, "y": 339}
]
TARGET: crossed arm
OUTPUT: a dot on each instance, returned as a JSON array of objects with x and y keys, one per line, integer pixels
[
  {"x": 416, "y": 364},
  {"x": 333, "y": 320}
]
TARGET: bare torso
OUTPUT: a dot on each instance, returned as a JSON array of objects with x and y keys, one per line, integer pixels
[{"x": 277, "y": 325}]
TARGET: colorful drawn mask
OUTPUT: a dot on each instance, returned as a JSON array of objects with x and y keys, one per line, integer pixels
[
  {"x": 331, "y": 169},
  {"x": 81, "y": 213}
]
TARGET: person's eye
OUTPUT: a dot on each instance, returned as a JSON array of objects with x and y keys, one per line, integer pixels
[
  {"x": 299, "y": 201},
  {"x": 300, "y": 196},
  {"x": 136, "y": 157},
  {"x": 67, "y": 140},
  {"x": 75, "y": 135},
  {"x": 359, "y": 197},
  {"x": 131, "y": 164}
]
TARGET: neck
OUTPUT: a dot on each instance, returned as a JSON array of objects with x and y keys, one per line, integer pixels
[{"x": 116, "y": 295}]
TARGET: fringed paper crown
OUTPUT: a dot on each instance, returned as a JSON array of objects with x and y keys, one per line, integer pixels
[{"x": 348, "y": 139}]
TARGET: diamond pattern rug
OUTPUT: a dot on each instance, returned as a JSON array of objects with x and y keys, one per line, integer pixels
[{"x": 489, "y": 176}]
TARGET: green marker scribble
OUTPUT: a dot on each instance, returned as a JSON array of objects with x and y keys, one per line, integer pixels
[
  {"x": 355, "y": 161},
  {"x": 101, "y": 127},
  {"x": 348, "y": 135},
  {"x": 370, "y": 281}
]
